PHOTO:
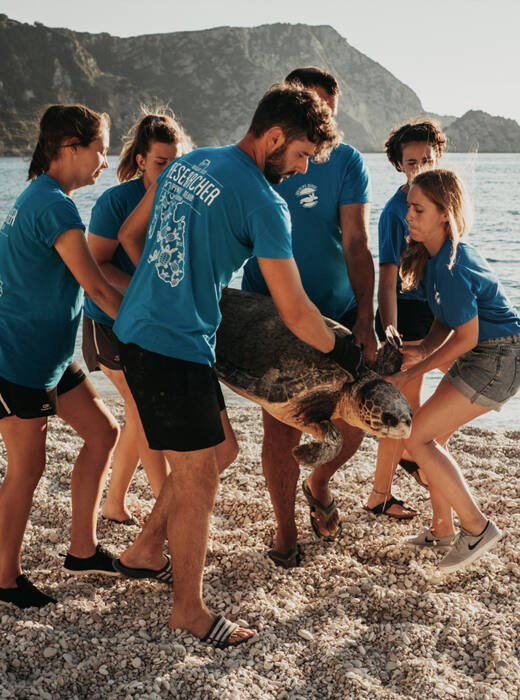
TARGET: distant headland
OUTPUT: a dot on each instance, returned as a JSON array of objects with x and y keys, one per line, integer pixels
[{"x": 212, "y": 79}]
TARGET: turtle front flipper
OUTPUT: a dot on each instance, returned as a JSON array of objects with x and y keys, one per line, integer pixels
[{"x": 315, "y": 453}]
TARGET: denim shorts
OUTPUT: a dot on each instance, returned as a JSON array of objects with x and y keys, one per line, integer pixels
[{"x": 488, "y": 375}]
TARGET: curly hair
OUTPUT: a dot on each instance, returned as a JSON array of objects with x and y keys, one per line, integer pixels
[
  {"x": 61, "y": 122},
  {"x": 300, "y": 113},
  {"x": 423, "y": 131},
  {"x": 446, "y": 190},
  {"x": 160, "y": 125}
]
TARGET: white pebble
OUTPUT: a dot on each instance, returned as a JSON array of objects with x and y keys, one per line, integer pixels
[
  {"x": 305, "y": 634},
  {"x": 49, "y": 652}
]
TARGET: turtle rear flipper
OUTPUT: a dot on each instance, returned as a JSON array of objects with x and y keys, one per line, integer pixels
[{"x": 315, "y": 453}]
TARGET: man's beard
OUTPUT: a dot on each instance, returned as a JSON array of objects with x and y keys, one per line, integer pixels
[{"x": 275, "y": 164}]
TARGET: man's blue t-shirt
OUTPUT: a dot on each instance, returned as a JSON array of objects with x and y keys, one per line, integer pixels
[
  {"x": 469, "y": 289},
  {"x": 393, "y": 230},
  {"x": 108, "y": 215},
  {"x": 314, "y": 200},
  {"x": 213, "y": 209},
  {"x": 40, "y": 300}
]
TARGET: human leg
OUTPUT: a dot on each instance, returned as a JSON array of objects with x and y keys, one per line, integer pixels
[
  {"x": 440, "y": 468},
  {"x": 24, "y": 440},
  {"x": 85, "y": 412},
  {"x": 131, "y": 445},
  {"x": 146, "y": 552},
  {"x": 389, "y": 453},
  {"x": 281, "y": 471},
  {"x": 318, "y": 480},
  {"x": 188, "y": 530}
]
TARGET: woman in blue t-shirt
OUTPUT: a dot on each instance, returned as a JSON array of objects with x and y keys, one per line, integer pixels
[
  {"x": 411, "y": 148},
  {"x": 153, "y": 142},
  {"x": 477, "y": 331},
  {"x": 44, "y": 262}
]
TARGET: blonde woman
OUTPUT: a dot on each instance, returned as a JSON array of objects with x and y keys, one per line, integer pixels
[
  {"x": 477, "y": 331},
  {"x": 152, "y": 142}
]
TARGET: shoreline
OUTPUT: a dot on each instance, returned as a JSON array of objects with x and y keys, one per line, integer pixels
[{"x": 361, "y": 618}]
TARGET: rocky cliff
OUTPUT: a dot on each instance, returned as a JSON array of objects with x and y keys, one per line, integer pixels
[
  {"x": 212, "y": 79},
  {"x": 479, "y": 131}
]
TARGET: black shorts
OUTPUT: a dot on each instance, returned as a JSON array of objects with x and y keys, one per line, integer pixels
[
  {"x": 100, "y": 346},
  {"x": 24, "y": 402},
  {"x": 414, "y": 319},
  {"x": 349, "y": 318},
  {"x": 179, "y": 402}
]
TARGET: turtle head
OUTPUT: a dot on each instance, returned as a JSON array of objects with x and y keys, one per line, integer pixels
[{"x": 376, "y": 406}]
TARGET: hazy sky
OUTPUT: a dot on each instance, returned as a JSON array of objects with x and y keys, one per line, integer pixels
[{"x": 455, "y": 54}]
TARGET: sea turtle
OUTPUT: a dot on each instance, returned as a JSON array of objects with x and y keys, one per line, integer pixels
[{"x": 259, "y": 358}]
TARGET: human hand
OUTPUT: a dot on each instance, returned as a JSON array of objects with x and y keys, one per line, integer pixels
[{"x": 366, "y": 338}]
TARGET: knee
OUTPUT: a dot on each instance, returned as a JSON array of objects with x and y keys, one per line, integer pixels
[{"x": 105, "y": 437}]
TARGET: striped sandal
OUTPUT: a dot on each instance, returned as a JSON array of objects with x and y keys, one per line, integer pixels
[{"x": 221, "y": 632}]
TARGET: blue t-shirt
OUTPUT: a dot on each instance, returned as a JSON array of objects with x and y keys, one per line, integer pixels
[
  {"x": 314, "y": 200},
  {"x": 108, "y": 215},
  {"x": 40, "y": 300},
  {"x": 393, "y": 230},
  {"x": 213, "y": 209},
  {"x": 469, "y": 289}
]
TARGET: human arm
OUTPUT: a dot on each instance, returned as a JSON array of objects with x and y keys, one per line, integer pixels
[
  {"x": 132, "y": 234},
  {"x": 360, "y": 266},
  {"x": 102, "y": 250},
  {"x": 72, "y": 247},
  {"x": 296, "y": 310},
  {"x": 447, "y": 347},
  {"x": 386, "y": 294}
]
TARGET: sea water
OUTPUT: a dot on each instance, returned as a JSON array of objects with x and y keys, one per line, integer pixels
[{"x": 493, "y": 181}]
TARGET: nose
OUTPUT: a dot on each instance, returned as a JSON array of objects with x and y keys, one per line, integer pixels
[
  {"x": 105, "y": 162},
  {"x": 408, "y": 215},
  {"x": 302, "y": 167}
]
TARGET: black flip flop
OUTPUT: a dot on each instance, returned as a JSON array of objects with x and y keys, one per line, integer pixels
[
  {"x": 163, "y": 575},
  {"x": 286, "y": 560},
  {"x": 382, "y": 508}
]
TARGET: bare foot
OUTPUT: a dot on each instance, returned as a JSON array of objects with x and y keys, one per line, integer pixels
[{"x": 139, "y": 558}]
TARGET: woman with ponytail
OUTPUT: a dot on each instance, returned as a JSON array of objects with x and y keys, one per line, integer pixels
[
  {"x": 44, "y": 263},
  {"x": 152, "y": 142},
  {"x": 476, "y": 331}
]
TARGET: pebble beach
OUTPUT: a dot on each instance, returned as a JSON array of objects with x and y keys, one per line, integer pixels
[{"x": 363, "y": 617}]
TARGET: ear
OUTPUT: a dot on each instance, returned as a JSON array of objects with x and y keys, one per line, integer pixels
[
  {"x": 274, "y": 138},
  {"x": 141, "y": 162}
]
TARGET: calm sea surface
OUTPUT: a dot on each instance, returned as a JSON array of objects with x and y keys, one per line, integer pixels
[{"x": 492, "y": 180}]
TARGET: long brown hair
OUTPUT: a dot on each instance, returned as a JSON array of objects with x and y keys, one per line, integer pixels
[
  {"x": 61, "y": 122},
  {"x": 447, "y": 192},
  {"x": 161, "y": 126}
]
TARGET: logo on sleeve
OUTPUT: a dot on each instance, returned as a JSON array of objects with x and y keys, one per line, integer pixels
[{"x": 307, "y": 196}]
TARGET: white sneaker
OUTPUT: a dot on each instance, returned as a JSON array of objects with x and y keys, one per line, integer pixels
[
  {"x": 426, "y": 538},
  {"x": 467, "y": 548}
]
